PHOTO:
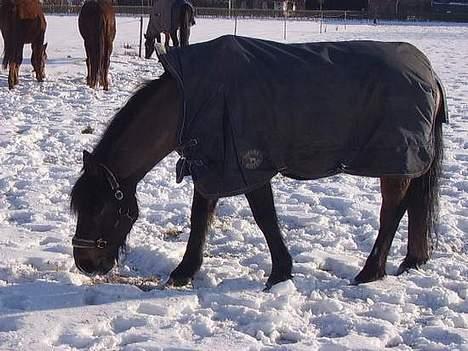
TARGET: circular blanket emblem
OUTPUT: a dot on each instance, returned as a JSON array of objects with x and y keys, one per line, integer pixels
[{"x": 252, "y": 159}]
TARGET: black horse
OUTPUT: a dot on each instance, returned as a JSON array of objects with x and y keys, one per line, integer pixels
[
  {"x": 179, "y": 17},
  {"x": 153, "y": 122}
]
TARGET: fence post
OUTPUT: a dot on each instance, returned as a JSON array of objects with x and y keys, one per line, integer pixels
[
  {"x": 141, "y": 35},
  {"x": 321, "y": 21},
  {"x": 345, "y": 20},
  {"x": 235, "y": 22},
  {"x": 285, "y": 16}
]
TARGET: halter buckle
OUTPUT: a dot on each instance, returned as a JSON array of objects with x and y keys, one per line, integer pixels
[
  {"x": 119, "y": 194},
  {"x": 101, "y": 243}
]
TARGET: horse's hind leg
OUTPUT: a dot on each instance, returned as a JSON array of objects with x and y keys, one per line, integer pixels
[
  {"x": 92, "y": 63},
  {"x": 419, "y": 245},
  {"x": 185, "y": 15},
  {"x": 200, "y": 219},
  {"x": 263, "y": 209},
  {"x": 394, "y": 204},
  {"x": 88, "y": 71},
  {"x": 89, "y": 65},
  {"x": 104, "y": 80}
]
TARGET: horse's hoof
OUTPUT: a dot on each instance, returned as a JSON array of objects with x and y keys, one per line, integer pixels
[
  {"x": 410, "y": 263},
  {"x": 178, "y": 282},
  {"x": 367, "y": 276},
  {"x": 275, "y": 279}
]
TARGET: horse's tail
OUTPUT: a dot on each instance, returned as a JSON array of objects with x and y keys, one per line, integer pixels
[
  {"x": 425, "y": 189},
  {"x": 8, "y": 27}
]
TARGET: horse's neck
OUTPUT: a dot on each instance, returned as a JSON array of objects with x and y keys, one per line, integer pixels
[{"x": 150, "y": 136}]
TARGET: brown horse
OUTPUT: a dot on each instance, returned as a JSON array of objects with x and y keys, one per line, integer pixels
[
  {"x": 96, "y": 23},
  {"x": 154, "y": 121},
  {"x": 23, "y": 22}
]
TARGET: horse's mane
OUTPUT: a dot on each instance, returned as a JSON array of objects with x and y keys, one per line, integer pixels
[
  {"x": 127, "y": 113},
  {"x": 83, "y": 187}
]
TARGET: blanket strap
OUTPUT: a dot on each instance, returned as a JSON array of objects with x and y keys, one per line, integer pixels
[{"x": 186, "y": 160}]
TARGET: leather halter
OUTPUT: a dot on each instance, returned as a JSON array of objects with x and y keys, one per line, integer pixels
[{"x": 101, "y": 243}]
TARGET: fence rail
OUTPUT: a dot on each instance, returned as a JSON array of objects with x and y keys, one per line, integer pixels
[
  {"x": 258, "y": 13},
  {"x": 219, "y": 12}
]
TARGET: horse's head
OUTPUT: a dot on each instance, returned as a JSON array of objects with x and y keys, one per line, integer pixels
[
  {"x": 38, "y": 59},
  {"x": 106, "y": 211},
  {"x": 149, "y": 46}
]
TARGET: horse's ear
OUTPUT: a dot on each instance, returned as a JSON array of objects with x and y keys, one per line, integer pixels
[{"x": 89, "y": 163}]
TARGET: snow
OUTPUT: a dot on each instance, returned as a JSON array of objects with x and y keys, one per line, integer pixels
[{"x": 329, "y": 224}]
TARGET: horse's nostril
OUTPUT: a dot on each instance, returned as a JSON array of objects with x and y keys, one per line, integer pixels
[{"x": 105, "y": 265}]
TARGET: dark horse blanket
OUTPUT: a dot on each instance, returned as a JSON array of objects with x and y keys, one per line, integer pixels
[
  {"x": 165, "y": 16},
  {"x": 253, "y": 108}
]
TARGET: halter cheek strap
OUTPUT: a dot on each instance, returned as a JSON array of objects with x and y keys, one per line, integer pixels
[
  {"x": 101, "y": 243},
  {"x": 112, "y": 180}
]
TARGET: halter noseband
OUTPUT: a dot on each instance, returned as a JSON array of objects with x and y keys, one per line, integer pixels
[
  {"x": 101, "y": 243},
  {"x": 88, "y": 244}
]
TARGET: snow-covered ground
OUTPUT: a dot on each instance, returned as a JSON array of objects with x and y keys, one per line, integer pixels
[{"x": 329, "y": 225}]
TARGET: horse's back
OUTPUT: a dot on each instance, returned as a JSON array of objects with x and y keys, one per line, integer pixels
[
  {"x": 29, "y": 9},
  {"x": 305, "y": 110},
  {"x": 96, "y": 15},
  {"x": 23, "y": 20}
]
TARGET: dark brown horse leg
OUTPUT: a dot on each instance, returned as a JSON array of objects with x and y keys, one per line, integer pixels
[
  {"x": 37, "y": 58},
  {"x": 105, "y": 68},
  {"x": 14, "y": 64},
  {"x": 185, "y": 15},
  {"x": 174, "y": 38},
  {"x": 89, "y": 65},
  {"x": 16, "y": 76},
  {"x": 12, "y": 75},
  {"x": 394, "y": 205},
  {"x": 263, "y": 209},
  {"x": 200, "y": 219},
  {"x": 36, "y": 65},
  {"x": 88, "y": 71},
  {"x": 166, "y": 40},
  {"x": 419, "y": 245}
]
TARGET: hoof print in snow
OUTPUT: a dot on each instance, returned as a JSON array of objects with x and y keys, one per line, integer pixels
[{"x": 87, "y": 130}]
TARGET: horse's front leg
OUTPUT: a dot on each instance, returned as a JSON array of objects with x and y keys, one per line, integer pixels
[
  {"x": 166, "y": 40},
  {"x": 174, "y": 38},
  {"x": 394, "y": 205},
  {"x": 200, "y": 219},
  {"x": 14, "y": 65},
  {"x": 263, "y": 209},
  {"x": 12, "y": 75}
]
